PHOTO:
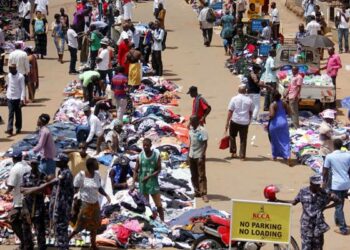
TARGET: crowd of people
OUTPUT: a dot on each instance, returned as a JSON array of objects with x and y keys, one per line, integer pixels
[{"x": 111, "y": 70}]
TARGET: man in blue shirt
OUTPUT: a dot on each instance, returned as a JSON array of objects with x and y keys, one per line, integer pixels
[{"x": 338, "y": 163}]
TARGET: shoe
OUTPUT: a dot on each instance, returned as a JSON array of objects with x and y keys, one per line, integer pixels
[
  {"x": 233, "y": 155},
  {"x": 9, "y": 132},
  {"x": 205, "y": 198},
  {"x": 73, "y": 72},
  {"x": 242, "y": 158},
  {"x": 338, "y": 231},
  {"x": 18, "y": 131}
]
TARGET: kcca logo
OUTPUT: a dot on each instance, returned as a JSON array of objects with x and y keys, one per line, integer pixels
[{"x": 261, "y": 215}]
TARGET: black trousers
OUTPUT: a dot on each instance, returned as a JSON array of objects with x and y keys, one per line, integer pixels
[
  {"x": 207, "y": 36},
  {"x": 243, "y": 135},
  {"x": 73, "y": 58},
  {"x": 157, "y": 63},
  {"x": 15, "y": 109},
  {"x": 93, "y": 56},
  {"x": 275, "y": 31},
  {"x": 16, "y": 224},
  {"x": 26, "y": 26},
  {"x": 2, "y": 58},
  {"x": 89, "y": 94}
]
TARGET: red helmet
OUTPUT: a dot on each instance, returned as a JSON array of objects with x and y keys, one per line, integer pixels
[{"x": 270, "y": 192}]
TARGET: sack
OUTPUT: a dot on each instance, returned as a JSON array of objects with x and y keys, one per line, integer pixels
[
  {"x": 210, "y": 17},
  {"x": 225, "y": 142},
  {"x": 39, "y": 27}
]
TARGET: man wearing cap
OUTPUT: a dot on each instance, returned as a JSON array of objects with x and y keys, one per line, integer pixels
[
  {"x": 200, "y": 106},
  {"x": 95, "y": 128},
  {"x": 61, "y": 201},
  {"x": 14, "y": 182},
  {"x": 314, "y": 201},
  {"x": 239, "y": 116},
  {"x": 103, "y": 60},
  {"x": 338, "y": 164},
  {"x": 90, "y": 79},
  {"x": 46, "y": 147},
  {"x": 16, "y": 95}
]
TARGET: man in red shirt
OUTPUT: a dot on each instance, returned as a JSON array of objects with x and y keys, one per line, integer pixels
[
  {"x": 123, "y": 50},
  {"x": 200, "y": 107}
]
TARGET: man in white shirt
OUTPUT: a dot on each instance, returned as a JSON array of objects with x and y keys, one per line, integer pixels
[
  {"x": 240, "y": 111},
  {"x": 342, "y": 20},
  {"x": 72, "y": 38},
  {"x": 14, "y": 182},
  {"x": 309, "y": 7},
  {"x": 157, "y": 47},
  {"x": 42, "y": 5},
  {"x": 266, "y": 31},
  {"x": 275, "y": 19},
  {"x": 95, "y": 129},
  {"x": 25, "y": 14},
  {"x": 313, "y": 27},
  {"x": 16, "y": 94},
  {"x": 20, "y": 59},
  {"x": 205, "y": 26},
  {"x": 103, "y": 60}
]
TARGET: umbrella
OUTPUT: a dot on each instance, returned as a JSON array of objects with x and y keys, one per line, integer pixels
[
  {"x": 316, "y": 41},
  {"x": 345, "y": 103}
]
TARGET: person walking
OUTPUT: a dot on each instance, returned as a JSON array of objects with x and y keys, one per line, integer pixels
[
  {"x": 20, "y": 59},
  {"x": 309, "y": 7},
  {"x": 269, "y": 78},
  {"x": 61, "y": 202},
  {"x": 336, "y": 169},
  {"x": 278, "y": 129},
  {"x": 127, "y": 9},
  {"x": 240, "y": 111},
  {"x": 196, "y": 157},
  {"x": 313, "y": 27},
  {"x": 46, "y": 147},
  {"x": 25, "y": 14},
  {"x": 342, "y": 24},
  {"x": 16, "y": 95},
  {"x": 58, "y": 36},
  {"x": 253, "y": 90},
  {"x": 314, "y": 201},
  {"x": 33, "y": 75},
  {"x": 147, "y": 169},
  {"x": 157, "y": 47},
  {"x": 14, "y": 183},
  {"x": 89, "y": 185},
  {"x": 227, "y": 22},
  {"x": 119, "y": 87},
  {"x": 42, "y": 6},
  {"x": 333, "y": 65},
  {"x": 205, "y": 26},
  {"x": 200, "y": 107},
  {"x": 293, "y": 95},
  {"x": 275, "y": 19},
  {"x": 72, "y": 38},
  {"x": 95, "y": 129},
  {"x": 40, "y": 29}
]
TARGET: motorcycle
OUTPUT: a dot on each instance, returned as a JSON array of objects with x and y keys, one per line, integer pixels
[{"x": 216, "y": 231}]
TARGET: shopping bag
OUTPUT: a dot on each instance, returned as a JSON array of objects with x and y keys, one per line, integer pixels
[{"x": 225, "y": 142}]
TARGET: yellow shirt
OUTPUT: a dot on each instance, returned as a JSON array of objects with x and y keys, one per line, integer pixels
[{"x": 77, "y": 163}]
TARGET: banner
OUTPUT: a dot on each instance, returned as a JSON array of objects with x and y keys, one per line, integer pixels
[{"x": 260, "y": 221}]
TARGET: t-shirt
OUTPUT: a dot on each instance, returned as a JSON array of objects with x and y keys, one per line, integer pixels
[
  {"x": 23, "y": 10},
  {"x": 15, "y": 180},
  {"x": 294, "y": 86},
  {"x": 241, "y": 105},
  {"x": 72, "y": 37},
  {"x": 95, "y": 41},
  {"x": 198, "y": 137},
  {"x": 199, "y": 106},
  {"x": 313, "y": 27},
  {"x": 343, "y": 24},
  {"x": 202, "y": 17},
  {"x": 269, "y": 75},
  {"x": 275, "y": 16},
  {"x": 266, "y": 33},
  {"x": 119, "y": 85},
  {"x": 104, "y": 55},
  {"x": 88, "y": 187},
  {"x": 87, "y": 76},
  {"x": 339, "y": 163},
  {"x": 77, "y": 163},
  {"x": 41, "y": 6}
]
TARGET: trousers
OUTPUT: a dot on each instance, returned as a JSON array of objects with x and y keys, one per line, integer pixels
[
  {"x": 256, "y": 101},
  {"x": 121, "y": 107},
  {"x": 294, "y": 106},
  {"x": 73, "y": 58},
  {"x": 15, "y": 110},
  {"x": 198, "y": 176},
  {"x": 339, "y": 210},
  {"x": 157, "y": 63},
  {"x": 207, "y": 36},
  {"x": 269, "y": 95},
  {"x": 243, "y": 135},
  {"x": 343, "y": 33}
]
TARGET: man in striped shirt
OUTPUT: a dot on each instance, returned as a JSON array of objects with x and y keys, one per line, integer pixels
[{"x": 119, "y": 87}]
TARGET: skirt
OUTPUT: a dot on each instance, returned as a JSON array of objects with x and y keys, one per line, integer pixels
[
  {"x": 41, "y": 44},
  {"x": 88, "y": 217}
]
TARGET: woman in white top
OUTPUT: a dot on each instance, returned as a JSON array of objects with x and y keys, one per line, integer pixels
[{"x": 88, "y": 183}]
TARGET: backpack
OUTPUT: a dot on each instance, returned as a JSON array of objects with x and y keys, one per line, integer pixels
[
  {"x": 210, "y": 17},
  {"x": 39, "y": 27}
]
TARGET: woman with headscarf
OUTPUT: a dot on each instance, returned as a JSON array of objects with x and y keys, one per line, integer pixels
[{"x": 40, "y": 29}]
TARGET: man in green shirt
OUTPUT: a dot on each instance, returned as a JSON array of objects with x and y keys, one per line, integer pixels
[
  {"x": 89, "y": 79},
  {"x": 95, "y": 44}
]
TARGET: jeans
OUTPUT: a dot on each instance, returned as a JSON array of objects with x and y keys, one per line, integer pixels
[
  {"x": 157, "y": 63},
  {"x": 339, "y": 212},
  {"x": 268, "y": 95},
  {"x": 47, "y": 166},
  {"x": 294, "y": 107},
  {"x": 73, "y": 58},
  {"x": 207, "y": 36},
  {"x": 198, "y": 176},
  {"x": 15, "y": 109},
  {"x": 120, "y": 104},
  {"x": 343, "y": 33},
  {"x": 256, "y": 101},
  {"x": 243, "y": 134}
]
